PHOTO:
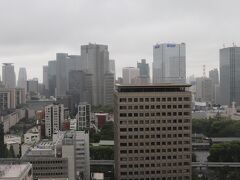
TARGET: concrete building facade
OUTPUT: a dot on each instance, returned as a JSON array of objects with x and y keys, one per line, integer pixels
[
  {"x": 54, "y": 117},
  {"x": 83, "y": 116},
  {"x": 152, "y": 132}
]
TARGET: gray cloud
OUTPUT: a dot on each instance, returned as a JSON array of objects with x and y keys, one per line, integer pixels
[{"x": 32, "y": 31}]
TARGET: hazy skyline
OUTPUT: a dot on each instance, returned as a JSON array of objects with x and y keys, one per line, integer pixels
[{"x": 32, "y": 32}]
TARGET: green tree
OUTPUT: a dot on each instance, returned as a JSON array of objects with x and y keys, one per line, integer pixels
[
  {"x": 225, "y": 152},
  {"x": 107, "y": 132},
  {"x": 101, "y": 152}
]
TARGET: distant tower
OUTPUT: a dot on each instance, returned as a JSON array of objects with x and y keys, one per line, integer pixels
[
  {"x": 45, "y": 76},
  {"x": 169, "y": 63},
  {"x": 8, "y": 75},
  {"x": 129, "y": 74},
  {"x": 204, "y": 70},
  {"x": 22, "y": 78},
  {"x": 230, "y": 75}
]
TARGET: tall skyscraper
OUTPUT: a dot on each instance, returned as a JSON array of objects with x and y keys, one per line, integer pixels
[
  {"x": 65, "y": 63},
  {"x": 52, "y": 70},
  {"x": 230, "y": 75},
  {"x": 8, "y": 75},
  {"x": 169, "y": 63},
  {"x": 22, "y": 78},
  {"x": 95, "y": 61},
  {"x": 45, "y": 77},
  {"x": 129, "y": 74},
  {"x": 213, "y": 75},
  {"x": 83, "y": 117},
  {"x": 80, "y": 87},
  {"x": 143, "y": 72},
  {"x": 61, "y": 74},
  {"x": 152, "y": 126},
  {"x": 54, "y": 117}
]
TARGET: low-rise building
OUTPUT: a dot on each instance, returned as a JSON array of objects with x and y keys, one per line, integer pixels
[
  {"x": 16, "y": 171},
  {"x": 13, "y": 141},
  {"x": 32, "y": 136}
]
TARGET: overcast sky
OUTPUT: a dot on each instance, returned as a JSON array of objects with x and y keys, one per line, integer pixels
[{"x": 33, "y": 31}]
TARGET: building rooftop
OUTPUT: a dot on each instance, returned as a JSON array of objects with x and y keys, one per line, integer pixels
[
  {"x": 164, "y": 87},
  {"x": 8, "y": 171}
]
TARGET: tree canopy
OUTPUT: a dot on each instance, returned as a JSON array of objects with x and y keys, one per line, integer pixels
[
  {"x": 225, "y": 152},
  {"x": 216, "y": 127}
]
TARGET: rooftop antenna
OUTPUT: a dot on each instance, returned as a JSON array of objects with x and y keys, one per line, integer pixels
[{"x": 204, "y": 70}]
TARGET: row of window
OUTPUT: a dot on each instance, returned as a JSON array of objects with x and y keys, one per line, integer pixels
[
  {"x": 153, "y": 121},
  {"x": 47, "y": 162},
  {"x": 169, "y": 164},
  {"x": 152, "y": 151},
  {"x": 49, "y": 174},
  {"x": 162, "y": 178},
  {"x": 153, "y": 114},
  {"x": 180, "y": 106},
  {"x": 170, "y": 128},
  {"x": 154, "y": 143},
  {"x": 170, "y": 171},
  {"x": 156, "y": 136},
  {"x": 159, "y": 99}
]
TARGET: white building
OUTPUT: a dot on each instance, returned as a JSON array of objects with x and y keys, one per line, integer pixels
[
  {"x": 82, "y": 155},
  {"x": 8, "y": 75},
  {"x": 169, "y": 63},
  {"x": 54, "y": 117},
  {"x": 16, "y": 171},
  {"x": 129, "y": 74},
  {"x": 83, "y": 116},
  {"x": 73, "y": 124},
  {"x": 32, "y": 136}
]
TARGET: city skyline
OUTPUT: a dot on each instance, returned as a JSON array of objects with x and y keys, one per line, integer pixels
[{"x": 32, "y": 37}]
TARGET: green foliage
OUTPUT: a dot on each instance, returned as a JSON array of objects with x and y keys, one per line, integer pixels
[
  {"x": 225, "y": 152},
  {"x": 101, "y": 152},
  {"x": 94, "y": 137},
  {"x": 216, "y": 127},
  {"x": 107, "y": 132}
]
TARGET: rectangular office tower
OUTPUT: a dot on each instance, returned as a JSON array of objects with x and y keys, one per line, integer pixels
[
  {"x": 230, "y": 75},
  {"x": 152, "y": 132},
  {"x": 169, "y": 63}
]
